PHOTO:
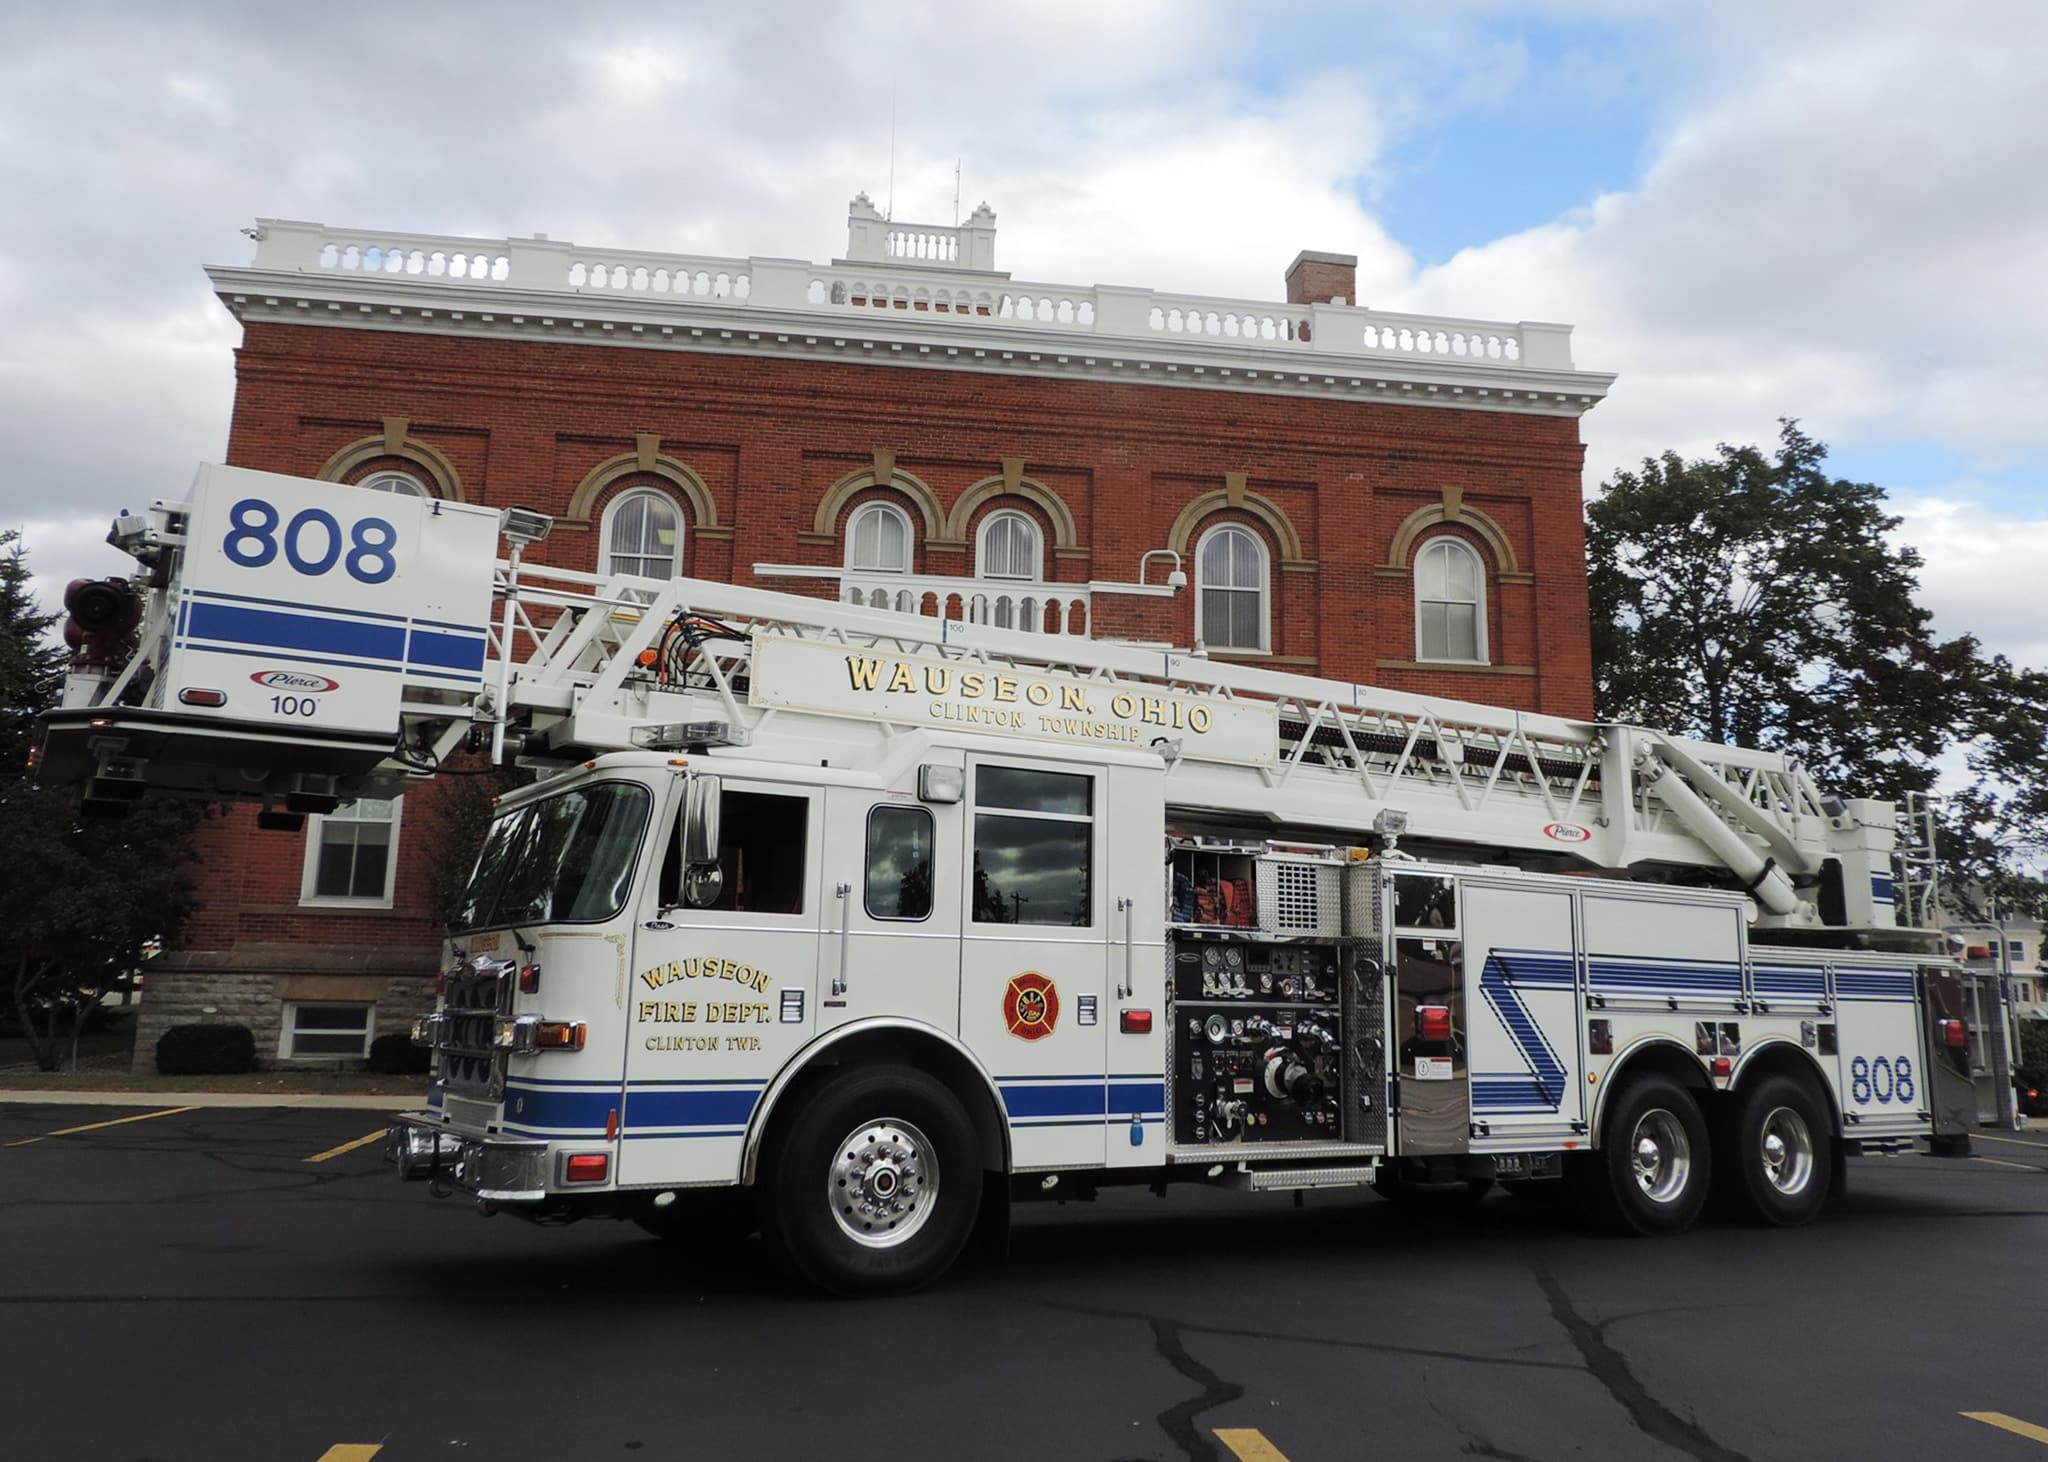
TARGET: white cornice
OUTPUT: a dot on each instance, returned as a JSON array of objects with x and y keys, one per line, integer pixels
[{"x": 714, "y": 325}]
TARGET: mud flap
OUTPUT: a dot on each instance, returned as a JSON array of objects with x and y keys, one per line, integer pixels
[{"x": 991, "y": 1237}]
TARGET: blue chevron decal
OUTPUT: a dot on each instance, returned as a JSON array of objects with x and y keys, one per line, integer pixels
[{"x": 1541, "y": 1089}]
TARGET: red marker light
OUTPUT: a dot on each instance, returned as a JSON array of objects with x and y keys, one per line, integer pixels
[
  {"x": 1723, "y": 1066},
  {"x": 1954, "y": 1034},
  {"x": 1433, "y": 1022},
  {"x": 192, "y": 696},
  {"x": 1135, "y": 1022},
  {"x": 529, "y": 979},
  {"x": 587, "y": 1167}
]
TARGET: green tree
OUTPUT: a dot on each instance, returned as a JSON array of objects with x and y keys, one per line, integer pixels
[
  {"x": 86, "y": 900},
  {"x": 31, "y": 663},
  {"x": 1751, "y": 598},
  {"x": 1993, "y": 839}
]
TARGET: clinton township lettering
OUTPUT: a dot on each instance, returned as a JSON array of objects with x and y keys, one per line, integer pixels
[{"x": 1026, "y": 703}]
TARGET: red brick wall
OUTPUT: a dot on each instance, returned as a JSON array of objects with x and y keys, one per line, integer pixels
[{"x": 524, "y": 423}]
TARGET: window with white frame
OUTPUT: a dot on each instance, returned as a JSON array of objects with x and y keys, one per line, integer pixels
[
  {"x": 643, "y": 535},
  {"x": 1450, "y": 603},
  {"x": 1008, "y": 547},
  {"x": 319, "y": 1029},
  {"x": 404, "y": 484},
  {"x": 878, "y": 540},
  {"x": 1230, "y": 583},
  {"x": 352, "y": 854}
]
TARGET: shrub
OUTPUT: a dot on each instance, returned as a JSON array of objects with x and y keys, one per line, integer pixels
[
  {"x": 396, "y": 1055},
  {"x": 206, "y": 1050}
]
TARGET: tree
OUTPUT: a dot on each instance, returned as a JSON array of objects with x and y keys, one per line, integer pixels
[
  {"x": 31, "y": 664},
  {"x": 1993, "y": 838},
  {"x": 86, "y": 899},
  {"x": 464, "y": 800},
  {"x": 1751, "y": 598}
]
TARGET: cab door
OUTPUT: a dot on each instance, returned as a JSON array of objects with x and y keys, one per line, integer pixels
[
  {"x": 891, "y": 944},
  {"x": 1034, "y": 952},
  {"x": 719, "y": 997}
]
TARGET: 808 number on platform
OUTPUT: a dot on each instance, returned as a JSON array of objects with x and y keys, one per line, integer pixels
[{"x": 312, "y": 542}]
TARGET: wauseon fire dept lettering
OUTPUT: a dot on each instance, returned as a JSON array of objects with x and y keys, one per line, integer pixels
[
  {"x": 703, "y": 1011},
  {"x": 1041, "y": 705}
]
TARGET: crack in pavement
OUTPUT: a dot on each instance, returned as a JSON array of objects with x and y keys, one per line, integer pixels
[
  {"x": 1178, "y": 1422},
  {"x": 1611, "y": 1369},
  {"x": 1234, "y": 1332}
]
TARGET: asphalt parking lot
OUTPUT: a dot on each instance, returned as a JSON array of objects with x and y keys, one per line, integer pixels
[{"x": 224, "y": 1284}]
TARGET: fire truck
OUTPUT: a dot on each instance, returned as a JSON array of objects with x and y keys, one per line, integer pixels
[{"x": 867, "y": 924}]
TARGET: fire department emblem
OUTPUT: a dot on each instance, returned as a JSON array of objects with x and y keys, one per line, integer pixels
[{"x": 1031, "y": 1006}]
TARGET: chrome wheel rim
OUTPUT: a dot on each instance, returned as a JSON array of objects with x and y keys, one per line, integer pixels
[
  {"x": 1661, "y": 1155},
  {"x": 1787, "y": 1153},
  {"x": 883, "y": 1184}
]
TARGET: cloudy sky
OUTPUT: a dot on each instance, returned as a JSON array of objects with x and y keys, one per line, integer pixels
[{"x": 1830, "y": 211}]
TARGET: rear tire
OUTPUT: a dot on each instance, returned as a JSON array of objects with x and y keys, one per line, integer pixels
[
  {"x": 1654, "y": 1167},
  {"x": 874, "y": 1186},
  {"x": 1779, "y": 1161}
]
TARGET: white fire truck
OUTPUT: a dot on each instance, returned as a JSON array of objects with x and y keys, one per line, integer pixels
[{"x": 881, "y": 921}]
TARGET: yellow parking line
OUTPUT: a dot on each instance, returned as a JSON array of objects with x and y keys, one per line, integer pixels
[
  {"x": 2014, "y": 1141},
  {"x": 351, "y": 1452},
  {"x": 1249, "y": 1445},
  {"x": 2011, "y": 1424},
  {"x": 348, "y": 1146},
  {"x": 2024, "y": 1167},
  {"x": 96, "y": 1126}
]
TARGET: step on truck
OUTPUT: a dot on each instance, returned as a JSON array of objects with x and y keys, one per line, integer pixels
[{"x": 860, "y": 925}]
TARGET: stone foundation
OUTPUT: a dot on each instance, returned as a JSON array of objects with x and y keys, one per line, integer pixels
[{"x": 250, "y": 986}]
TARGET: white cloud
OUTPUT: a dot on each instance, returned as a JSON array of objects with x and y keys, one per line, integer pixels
[
  {"x": 1837, "y": 218},
  {"x": 1983, "y": 572}
]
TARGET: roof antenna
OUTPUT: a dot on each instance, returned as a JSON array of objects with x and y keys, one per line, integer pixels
[{"x": 890, "y": 212}]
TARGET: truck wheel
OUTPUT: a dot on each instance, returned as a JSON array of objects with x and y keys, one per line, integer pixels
[
  {"x": 1652, "y": 1173},
  {"x": 874, "y": 1187},
  {"x": 1780, "y": 1152}
]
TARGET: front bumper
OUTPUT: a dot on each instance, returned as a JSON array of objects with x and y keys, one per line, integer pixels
[{"x": 501, "y": 1169}]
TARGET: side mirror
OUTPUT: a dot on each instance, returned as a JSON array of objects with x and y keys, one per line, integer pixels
[{"x": 697, "y": 833}]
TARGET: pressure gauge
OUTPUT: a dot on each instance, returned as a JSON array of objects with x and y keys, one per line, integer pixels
[{"x": 1233, "y": 958}]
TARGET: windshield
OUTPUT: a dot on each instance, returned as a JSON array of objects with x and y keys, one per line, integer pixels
[{"x": 566, "y": 859}]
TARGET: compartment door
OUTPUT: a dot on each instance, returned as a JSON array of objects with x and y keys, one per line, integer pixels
[{"x": 1521, "y": 979}]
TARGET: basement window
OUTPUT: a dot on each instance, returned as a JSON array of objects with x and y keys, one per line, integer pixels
[{"x": 314, "y": 1031}]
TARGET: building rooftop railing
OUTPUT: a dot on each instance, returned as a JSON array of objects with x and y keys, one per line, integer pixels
[{"x": 931, "y": 281}]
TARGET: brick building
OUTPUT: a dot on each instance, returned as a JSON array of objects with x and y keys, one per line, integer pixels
[{"x": 1375, "y": 497}]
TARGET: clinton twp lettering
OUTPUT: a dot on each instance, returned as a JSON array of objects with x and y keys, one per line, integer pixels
[{"x": 1027, "y": 703}]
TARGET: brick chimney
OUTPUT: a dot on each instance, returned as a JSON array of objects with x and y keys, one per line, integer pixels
[{"x": 1318, "y": 278}]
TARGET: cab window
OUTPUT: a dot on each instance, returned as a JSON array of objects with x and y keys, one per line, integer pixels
[
  {"x": 761, "y": 853},
  {"x": 899, "y": 863},
  {"x": 1034, "y": 837}
]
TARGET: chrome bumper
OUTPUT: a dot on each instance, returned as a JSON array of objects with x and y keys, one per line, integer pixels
[{"x": 500, "y": 1169}]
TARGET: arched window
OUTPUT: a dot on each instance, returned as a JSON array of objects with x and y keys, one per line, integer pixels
[
  {"x": 1008, "y": 548},
  {"x": 643, "y": 535},
  {"x": 878, "y": 540},
  {"x": 1230, "y": 589},
  {"x": 1450, "y": 603},
  {"x": 402, "y": 483}
]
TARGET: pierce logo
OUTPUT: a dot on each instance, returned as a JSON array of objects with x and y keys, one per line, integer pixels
[
  {"x": 1567, "y": 832},
  {"x": 297, "y": 680}
]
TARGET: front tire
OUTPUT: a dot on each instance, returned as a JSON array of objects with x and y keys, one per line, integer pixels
[
  {"x": 1653, "y": 1171},
  {"x": 1780, "y": 1153},
  {"x": 874, "y": 1187}
]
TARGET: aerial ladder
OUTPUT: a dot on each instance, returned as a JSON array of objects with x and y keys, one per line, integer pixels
[{"x": 297, "y": 645}]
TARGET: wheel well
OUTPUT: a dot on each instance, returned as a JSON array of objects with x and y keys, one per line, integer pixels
[
  {"x": 1661, "y": 1058},
  {"x": 896, "y": 1046},
  {"x": 1782, "y": 1058}
]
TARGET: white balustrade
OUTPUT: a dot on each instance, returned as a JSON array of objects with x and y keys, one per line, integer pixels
[
  {"x": 1054, "y": 609},
  {"x": 911, "y": 272}
]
